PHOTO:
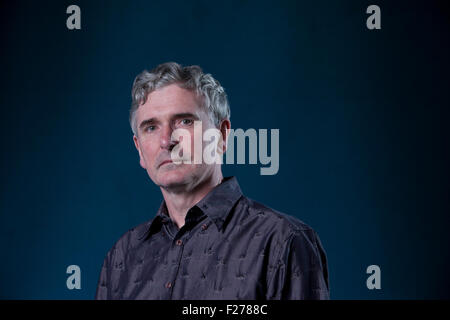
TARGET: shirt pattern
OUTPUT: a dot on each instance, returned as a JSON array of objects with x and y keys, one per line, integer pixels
[{"x": 231, "y": 247}]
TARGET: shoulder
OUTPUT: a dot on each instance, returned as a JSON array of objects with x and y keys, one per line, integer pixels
[
  {"x": 286, "y": 223},
  {"x": 287, "y": 235},
  {"x": 286, "y": 230},
  {"x": 129, "y": 239}
]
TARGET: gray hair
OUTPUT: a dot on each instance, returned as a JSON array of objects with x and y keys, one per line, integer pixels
[{"x": 191, "y": 78}]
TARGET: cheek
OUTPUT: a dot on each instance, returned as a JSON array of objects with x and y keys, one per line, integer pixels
[
  {"x": 185, "y": 146},
  {"x": 148, "y": 152}
]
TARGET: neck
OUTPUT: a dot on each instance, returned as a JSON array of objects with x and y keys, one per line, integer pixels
[{"x": 179, "y": 203}]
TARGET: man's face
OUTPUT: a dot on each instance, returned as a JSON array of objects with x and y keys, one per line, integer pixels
[{"x": 166, "y": 110}]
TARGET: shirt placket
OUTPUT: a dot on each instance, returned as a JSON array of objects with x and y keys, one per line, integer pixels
[{"x": 174, "y": 258}]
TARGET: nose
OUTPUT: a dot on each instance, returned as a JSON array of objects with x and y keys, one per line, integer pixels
[{"x": 166, "y": 141}]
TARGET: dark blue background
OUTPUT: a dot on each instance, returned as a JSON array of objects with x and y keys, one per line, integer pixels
[{"x": 363, "y": 118}]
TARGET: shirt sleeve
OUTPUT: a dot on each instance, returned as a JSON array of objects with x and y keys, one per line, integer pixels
[
  {"x": 103, "y": 285},
  {"x": 301, "y": 270}
]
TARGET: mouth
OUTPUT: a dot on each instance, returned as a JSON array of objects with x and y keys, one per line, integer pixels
[{"x": 165, "y": 162}]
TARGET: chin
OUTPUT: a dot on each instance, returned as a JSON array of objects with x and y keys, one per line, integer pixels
[{"x": 172, "y": 178}]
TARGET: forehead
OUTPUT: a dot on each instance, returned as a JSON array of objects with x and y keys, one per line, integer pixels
[{"x": 169, "y": 100}]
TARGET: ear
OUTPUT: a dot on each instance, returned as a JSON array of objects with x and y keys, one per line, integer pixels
[
  {"x": 225, "y": 126},
  {"x": 141, "y": 158}
]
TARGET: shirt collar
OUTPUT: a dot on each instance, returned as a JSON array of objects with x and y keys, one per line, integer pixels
[{"x": 217, "y": 204}]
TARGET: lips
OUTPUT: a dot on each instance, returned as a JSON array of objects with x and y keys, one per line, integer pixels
[{"x": 165, "y": 162}]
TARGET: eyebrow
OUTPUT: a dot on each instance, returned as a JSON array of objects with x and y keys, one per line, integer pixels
[
  {"x": 144, "y": 123},
  {"x": 147, "y": 122}
]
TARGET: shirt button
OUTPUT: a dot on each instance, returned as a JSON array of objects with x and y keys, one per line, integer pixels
[
  {"x": 204, "y": 227},
  {"x": 179, "y": 242},
  {"x": 168, "y": 285}
]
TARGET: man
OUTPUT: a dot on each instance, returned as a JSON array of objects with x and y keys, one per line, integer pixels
[{"x": 207, "y": 240}]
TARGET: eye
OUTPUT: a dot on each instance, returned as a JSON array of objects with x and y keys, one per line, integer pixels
[
  {"x": 150, "y": 128},
  {"x": 186, "y": 122}
]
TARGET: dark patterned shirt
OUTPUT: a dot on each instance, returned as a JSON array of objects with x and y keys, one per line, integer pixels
[{"x": 230, "y": 247}]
